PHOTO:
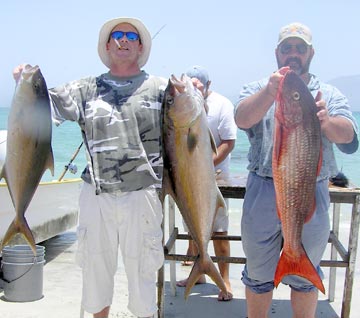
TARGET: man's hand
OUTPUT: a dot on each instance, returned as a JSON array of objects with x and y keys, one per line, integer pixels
[
  {"x": 17, "y": 71},
  {"x": 322, "y": 112},
  {"x": 274, "y": 81}
]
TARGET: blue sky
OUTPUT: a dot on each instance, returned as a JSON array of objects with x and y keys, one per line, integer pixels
[{"x": 234, "y": 40}]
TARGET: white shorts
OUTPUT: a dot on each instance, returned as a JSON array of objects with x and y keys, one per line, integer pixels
[
  {"x": 133, "y": 221},
  {"x": 221, "y": 223}
]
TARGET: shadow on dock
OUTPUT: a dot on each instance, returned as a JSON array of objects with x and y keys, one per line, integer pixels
[
  {"x": 203, "y": 299},
  {"x": 58, "y": 244}
]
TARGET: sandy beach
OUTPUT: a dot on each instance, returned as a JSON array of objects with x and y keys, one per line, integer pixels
[{"x": 62, "y": 285}]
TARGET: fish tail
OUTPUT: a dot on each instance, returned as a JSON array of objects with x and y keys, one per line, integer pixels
[
  {"x": 220, "y": 200},
  {"x": 19, "y": 226},
  {"x": 220, "y": 203},
  {"x": 204, "y": 265},
  {"x": 287, "y": 265}
]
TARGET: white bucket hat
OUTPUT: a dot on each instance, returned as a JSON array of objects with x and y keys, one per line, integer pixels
[{"x": 108, "y": 26}]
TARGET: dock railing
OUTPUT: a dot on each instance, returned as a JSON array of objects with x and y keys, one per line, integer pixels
[{"x": 234, "y": 188}]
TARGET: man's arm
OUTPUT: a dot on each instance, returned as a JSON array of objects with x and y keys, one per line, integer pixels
[{"x": 253, "y": 108}]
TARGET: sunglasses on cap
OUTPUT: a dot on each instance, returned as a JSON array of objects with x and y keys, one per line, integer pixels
[
  {"x": 131, "y": 36},
  {"x": 286, "y": 48}
]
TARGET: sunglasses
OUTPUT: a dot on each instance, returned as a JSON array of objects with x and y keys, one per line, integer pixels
[
  {"x": 131, "y": 36},
  {"x": 286, "y": 48}
]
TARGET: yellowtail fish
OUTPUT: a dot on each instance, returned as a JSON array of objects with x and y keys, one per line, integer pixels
[
  {"x": 189, "y": 177},
  {"x": 28, "y": 147}
]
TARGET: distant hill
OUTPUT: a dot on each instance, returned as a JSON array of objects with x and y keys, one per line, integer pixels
[{"x": 350, "y": 87}]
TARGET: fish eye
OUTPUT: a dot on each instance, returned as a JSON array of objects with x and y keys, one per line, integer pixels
[
  {"x": 296, "y": 96},
  {"x": 170, "y": 100},
  {"x": 36, "y": 87}
]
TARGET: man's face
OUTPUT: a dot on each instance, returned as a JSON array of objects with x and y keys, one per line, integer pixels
[
  {"x": 296, "y": 54},
  {"x": 124, "y": 49}
]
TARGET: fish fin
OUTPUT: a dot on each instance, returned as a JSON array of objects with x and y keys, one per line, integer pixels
[
  {"x": 212, "y": 142},
  {"x": 167, "y": 186},
  {"x": 276, "y": 155},
  {"x": 313, "y": 208},
  {"x": 277, "y": 143},
  {"x": 192, "y": 140},
  {"x": 319, "y": 162},
  {"x": 303, "y": 267},
  {"x": 220, "y": 200},
  {"x": 311, "y": 212},
  {"x": 278, "y": 211},
  {"x": 50, "y": 162},
  {"x": 2, "y": 172},
  {"x": 220, "y": 203},
  {"x": 204, "y": 265},
  {"x": 19, "y": 226}
]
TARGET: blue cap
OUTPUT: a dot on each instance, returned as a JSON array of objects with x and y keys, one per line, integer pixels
[{"x": 200, "y": 73}]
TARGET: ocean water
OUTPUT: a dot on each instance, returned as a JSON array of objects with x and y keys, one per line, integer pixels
[{"x": 67, "y": 139}]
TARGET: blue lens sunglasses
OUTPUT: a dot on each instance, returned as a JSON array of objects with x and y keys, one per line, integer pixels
[{"x": 131, "y": 36}]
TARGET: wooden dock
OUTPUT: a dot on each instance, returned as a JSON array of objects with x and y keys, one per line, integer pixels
[{"x": 341, "y": 256}]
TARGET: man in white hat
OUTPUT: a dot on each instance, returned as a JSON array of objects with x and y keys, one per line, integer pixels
[
  {"x": 119, "y": 116},
  {"x": 260, "y": 226}
]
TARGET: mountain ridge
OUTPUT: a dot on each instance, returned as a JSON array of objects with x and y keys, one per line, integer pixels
[{"x": 350, "y": 87}]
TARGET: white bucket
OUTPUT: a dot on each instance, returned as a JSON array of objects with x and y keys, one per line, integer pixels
[{"x": 23, "y": 272}]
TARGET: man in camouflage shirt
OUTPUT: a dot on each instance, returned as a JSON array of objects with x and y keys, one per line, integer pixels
[{"x": 119, "y": 116}]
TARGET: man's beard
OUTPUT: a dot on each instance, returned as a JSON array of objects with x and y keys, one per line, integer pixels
[{"x": 295, "y": 64}]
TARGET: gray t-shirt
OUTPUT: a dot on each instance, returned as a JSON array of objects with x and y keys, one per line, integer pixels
[{"x": 119, "y": 120}]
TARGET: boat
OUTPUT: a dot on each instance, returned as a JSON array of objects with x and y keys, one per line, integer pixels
[{"x": 52, "y": 210}]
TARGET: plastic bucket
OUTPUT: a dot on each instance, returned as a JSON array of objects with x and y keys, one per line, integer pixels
[{"x": 23, "y": 273}]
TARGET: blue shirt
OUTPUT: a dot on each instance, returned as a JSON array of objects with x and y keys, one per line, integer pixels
[{"x": 261, "y": 134}]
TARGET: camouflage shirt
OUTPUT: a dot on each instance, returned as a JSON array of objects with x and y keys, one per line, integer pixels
[{"x": 120, "y": 124}]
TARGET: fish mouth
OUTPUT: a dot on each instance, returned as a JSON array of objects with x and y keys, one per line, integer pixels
[{"x": 177, "y": 85}]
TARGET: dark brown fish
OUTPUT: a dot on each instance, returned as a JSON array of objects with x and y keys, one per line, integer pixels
[
  {"x": 296, "y": 162},
  {"x": 189, "y": 177},
  {"x": 28, "y": 147}
]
